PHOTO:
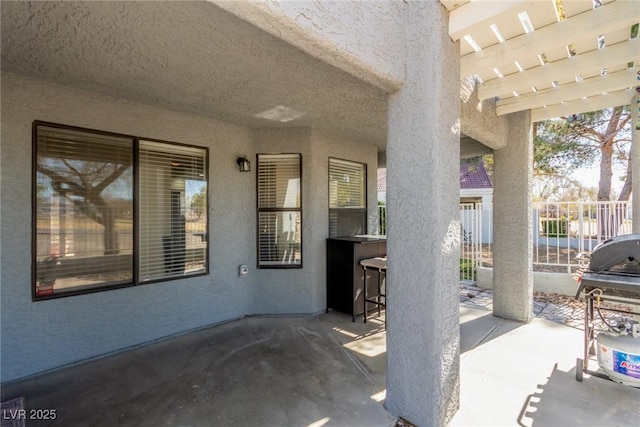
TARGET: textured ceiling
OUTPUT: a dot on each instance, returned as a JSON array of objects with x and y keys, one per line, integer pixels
[{"x": 186, "y": 56}]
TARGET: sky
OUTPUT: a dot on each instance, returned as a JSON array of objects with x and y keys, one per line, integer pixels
[{"x": 589, "y": 177}]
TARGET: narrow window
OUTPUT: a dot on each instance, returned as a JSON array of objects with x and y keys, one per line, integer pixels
[
  {"x": 279, "y": 211},
  {"x": 347, "y": 198},
  {"x": 173, "y": 210}
]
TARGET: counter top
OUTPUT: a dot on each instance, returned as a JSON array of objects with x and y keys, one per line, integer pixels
[{"x": 364, "y": 238}]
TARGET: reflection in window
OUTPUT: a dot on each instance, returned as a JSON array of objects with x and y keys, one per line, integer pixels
[
  {"x": 84, "y": 218},
  {"x": 347, "y": 198},
  {"x": 279, "y": 210},
  {"x": 173, "y": 210},
  {"x": 90, "y": 235}
]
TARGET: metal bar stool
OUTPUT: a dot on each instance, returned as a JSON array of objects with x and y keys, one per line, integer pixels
[{"x": 380, "y": 265}]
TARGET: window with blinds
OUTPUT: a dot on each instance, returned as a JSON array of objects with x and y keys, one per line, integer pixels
[
  {"x": 172, "y": 210},
  {"x": 279, "y": 201},
  {"x": 113, "y": 211},
  {"x": 347, "y": 198}
]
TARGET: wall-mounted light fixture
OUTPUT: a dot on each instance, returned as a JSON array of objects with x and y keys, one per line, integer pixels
[{"x": 243, "y": 164}]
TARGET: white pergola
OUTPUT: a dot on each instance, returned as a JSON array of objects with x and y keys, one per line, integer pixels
[{"x": 553, "y": 57}]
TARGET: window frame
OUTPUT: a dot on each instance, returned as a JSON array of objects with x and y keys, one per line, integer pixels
[
  {"x": 364, "y": 211},
  {"x": 135, "y": 279},
  {"x": 259, "y": 210}
]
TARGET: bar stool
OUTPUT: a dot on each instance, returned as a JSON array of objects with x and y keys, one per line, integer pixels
[{"x": 380, "y": 265}]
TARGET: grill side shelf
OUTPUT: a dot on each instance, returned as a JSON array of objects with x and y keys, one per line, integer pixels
[{"x": 613, "y": 284}]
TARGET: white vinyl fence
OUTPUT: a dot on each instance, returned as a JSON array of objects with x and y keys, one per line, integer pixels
[{"x": 561, "y": 230}]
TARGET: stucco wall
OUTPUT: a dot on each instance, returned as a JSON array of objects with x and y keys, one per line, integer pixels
[
  {"x": 478, "y": 119},
  {"x": 45, "y": 334},
  {"x": 362, "y": 38},
  {"x": 290, "y": 291},
  {"x": 278, "y": 291},
  {"x": 325, "y": 146},
  {"x": 37, "y": 336}
]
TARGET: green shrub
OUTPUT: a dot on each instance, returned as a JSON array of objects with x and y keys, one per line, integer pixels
[
  {"x": 467, "y": 269},
  {"x": 558, "y": 227}
]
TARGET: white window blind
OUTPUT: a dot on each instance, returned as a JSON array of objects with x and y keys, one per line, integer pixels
[
  {"x": 88, "y": 232},
  {"x": 347, "y": 184},
  {"x": 279, "y": 210},
  {"x": 172, "y": 231},
  {"x": 84, "y": 209},
  {"x": 347, "y": 198}
]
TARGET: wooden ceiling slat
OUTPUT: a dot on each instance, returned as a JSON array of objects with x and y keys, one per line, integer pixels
[
  {"x": 480, "y": 14},
  {"x": 585, "y": 25},
  {"x": 612, "y": 82},
  {"x": 595, "y": 103},
  {"x": 453, "y": 4},
  {"x": 576, "y": 7},
  {"x": 556, "y": 53},
  {"x": 619, "y": 34},
  {"x": 588, "y": 64},
  {"x": 580, "y": 28},
  {"x": 542, "y": 13}
]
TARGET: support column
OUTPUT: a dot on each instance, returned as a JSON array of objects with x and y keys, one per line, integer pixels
[
  {"x": 635, "y": 161},
  {"x": 423, "y": 163},
  {"x": 513, "y": 223}
]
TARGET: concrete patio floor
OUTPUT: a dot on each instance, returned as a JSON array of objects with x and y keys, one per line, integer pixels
[{"x": 326, "y": 370}]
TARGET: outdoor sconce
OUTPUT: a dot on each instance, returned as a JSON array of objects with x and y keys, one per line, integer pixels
[{"x": 243, "y": 164}]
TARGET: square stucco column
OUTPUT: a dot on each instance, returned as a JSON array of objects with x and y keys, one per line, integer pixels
[
  {"x": 423, "y": 162},
  {"x": 513, "y": 223}
]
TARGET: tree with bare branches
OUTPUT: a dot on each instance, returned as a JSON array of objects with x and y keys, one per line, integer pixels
[{"x": 85, "y": 182}]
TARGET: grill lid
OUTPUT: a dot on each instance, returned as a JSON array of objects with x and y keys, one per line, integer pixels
[{"x": 619, "y": 254}]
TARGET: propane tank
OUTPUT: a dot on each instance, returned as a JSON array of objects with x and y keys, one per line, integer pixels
[{"x": 619, "y": 352}]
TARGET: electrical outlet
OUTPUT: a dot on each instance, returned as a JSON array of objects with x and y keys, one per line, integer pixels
[{"x": 243, "y": 271}]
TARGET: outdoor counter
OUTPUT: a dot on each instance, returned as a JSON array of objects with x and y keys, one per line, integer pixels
[{"x": 345, "y": 275}]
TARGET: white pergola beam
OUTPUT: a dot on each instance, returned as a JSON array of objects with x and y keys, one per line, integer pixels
[
  {"x": 453, "y": 4},
  {"x": 601, "y": 20},
  {"x": 583, "y": 105},
  {"x": 590, "y": 87},
  {"x": 587, "y": 64},
  {"x": 463, "y": 19}
]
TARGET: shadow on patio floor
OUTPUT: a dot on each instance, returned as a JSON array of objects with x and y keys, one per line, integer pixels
[
  {"x": 267, "y": 371},
  {"x": 606, "y": 403},
  {"x": 317, "y": 371}
]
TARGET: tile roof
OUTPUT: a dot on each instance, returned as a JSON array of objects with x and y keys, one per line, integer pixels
[
  {"x": 474, "y": 176},
  {"x": 382, "y": 180},
  {"x": 471, "y": 176}
]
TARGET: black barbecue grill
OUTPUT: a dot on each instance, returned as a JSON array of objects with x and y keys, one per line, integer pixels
[
  {"x": 612, "y": 275},
  {"x": 614, "y": 265}
]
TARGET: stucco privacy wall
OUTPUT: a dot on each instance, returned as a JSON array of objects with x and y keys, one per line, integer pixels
[
  {"x": 561, "y": 283},
  {"x": 291, "y": 291},
  {"x": 362, "y": 38}
]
